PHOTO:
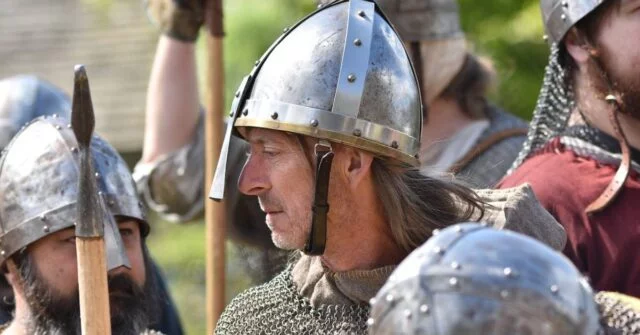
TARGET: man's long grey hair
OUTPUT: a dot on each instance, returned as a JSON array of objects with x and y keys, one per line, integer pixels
[{"x": 415, "y": 204}]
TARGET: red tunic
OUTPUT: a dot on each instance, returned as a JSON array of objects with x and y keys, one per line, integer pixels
[{"x": 606, "y": 245}]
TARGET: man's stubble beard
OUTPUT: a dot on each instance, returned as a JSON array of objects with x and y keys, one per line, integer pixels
[{"x": 53, "y": 314}]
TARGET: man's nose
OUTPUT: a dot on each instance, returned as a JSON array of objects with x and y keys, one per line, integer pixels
[{"x": 254, "y": 177}]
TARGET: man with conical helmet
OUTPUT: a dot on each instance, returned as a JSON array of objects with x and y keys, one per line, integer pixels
[
  {"x": 333, "y": 117},
  {"x": 582, "y": 153}
]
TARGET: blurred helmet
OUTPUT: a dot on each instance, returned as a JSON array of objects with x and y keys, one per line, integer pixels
[
  {"x": 24, "y": 98},
  {"x": 471, "y": 279}
]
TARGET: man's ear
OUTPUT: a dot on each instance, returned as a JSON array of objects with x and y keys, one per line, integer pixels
[
  {"x": 357, "y": 166},
  {"x": 11, "y": 271},
  {"x": 578, "y": 47}
]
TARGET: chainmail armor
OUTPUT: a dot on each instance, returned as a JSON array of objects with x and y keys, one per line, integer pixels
[
  {"x": 617, "y": 316},
  {"x": 553, "y": 108},
  {"x": 276, "y": 307}
]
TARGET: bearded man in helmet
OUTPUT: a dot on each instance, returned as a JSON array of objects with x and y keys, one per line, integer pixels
[
  {"x": 334, "y": 163},
  {"x": 39, "y": 183},
  {"x": 582, "y": 155},
  {"x": 463, "y": 133},
  {"x": 22, "y": 99}
]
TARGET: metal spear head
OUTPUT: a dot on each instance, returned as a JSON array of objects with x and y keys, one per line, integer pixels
[{"x": 90, "y": 214}]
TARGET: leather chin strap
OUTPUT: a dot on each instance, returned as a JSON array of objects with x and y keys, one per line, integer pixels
[
  {"x": 318, "y": 236},
  {"x": 615, "y": 185}
]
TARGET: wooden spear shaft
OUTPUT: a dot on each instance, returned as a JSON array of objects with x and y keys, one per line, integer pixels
[
  {"x": 95, "y": 316},
  {"x": 214, "y": 211}
]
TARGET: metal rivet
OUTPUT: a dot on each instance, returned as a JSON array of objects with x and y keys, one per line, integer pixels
[
  {"x": 554, "y": 289},
  {"x": 320, "y": 6},
  {"x": 361, "y": 13},
  {"x": 285, "y": 29},
  {"x": 74, "y": 149},
  {"x": 565, "y": 4},
  {"x": 458, "y": 229},
  {"x": 75, "y": 223},
  {"x": 389, "y": 298},
  {"x": 545, "y": 37},
  {"x": 357, "y": 132},
  {"x": 43, "y": 217},
  {"x": 407, "y": 314},
  {"x": 46, "y": 229},
  {"x": 563, "y": 17},
  {"x": 100, "y": 193},
  {"x": 58, "y": 127},
  {"x": 455, "y": 265},
  {"x": 314, "y": 123},
  {"x": 435, "y": 232},
  {"x": 438, "y": 250},
  {"x": 2, "y": 252},
  {"x": 97, "y": 175},
  {"x": 372, "y": 301},
  {"x": 69, "y": 125},
  {"x": 424, "y": 309},
  {"x": 357, "y": 42},
  {"x": 257, "y": 63},
  {"x": 453, "y": 282},
  {"x": 237, "y": 94},
  {"x": 274, "y": 115},
  {"x": 351, "y": 78},
  {"x": 394, "y": 144},
  {"x": 508, "y": 272},
  {"x": 504, "y": 294},
  {"x": 245, "y": 112},
  {"x": 231, "y": 114},
  {"x": 54, "y": 116},
  {"x": 370, "y": 322}
]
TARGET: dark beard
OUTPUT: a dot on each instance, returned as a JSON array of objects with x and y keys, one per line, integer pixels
[
  {"x": 624, "y": 85},
  {"x": 131, "y": 305}
]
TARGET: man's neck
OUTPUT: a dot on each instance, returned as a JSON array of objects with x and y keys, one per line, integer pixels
[
  {"x": 365, "y": 242},
  {"x": 445, "y": 118}
]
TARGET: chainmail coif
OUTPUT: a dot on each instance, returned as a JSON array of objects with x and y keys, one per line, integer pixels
[
  {"x": 618, "y": 316},
  {"x": 276, "y": 307}
]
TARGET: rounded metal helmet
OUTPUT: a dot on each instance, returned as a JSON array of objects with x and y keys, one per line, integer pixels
[
  {"x": 24, "y": 98},
  {"x": 341, "y": 74},
  {"x": 39, "y": 172},
  {"x": 471, "y": 279},
  {"x": 556, "y": 100}
]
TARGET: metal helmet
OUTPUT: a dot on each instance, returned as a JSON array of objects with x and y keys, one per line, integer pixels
[
  {"x": 472, "y": 279},
  {"x": 341, "y": 75},
  {"x": 24, "y": 98},
  {"x": 560, "y": 15},
  {"x": 39, "y": 181},
  {"x": 424, "y": 20}
]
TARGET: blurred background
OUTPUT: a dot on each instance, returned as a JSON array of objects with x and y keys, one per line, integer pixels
[{"x": 116, "y": 42}]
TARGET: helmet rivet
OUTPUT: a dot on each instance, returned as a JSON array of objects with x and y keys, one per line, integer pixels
[
  {"x": 545, "y": 37},
  {"x": 237, "y": 94},
  {"x": 508, "y": 272},
  {"x": 231, "y": 114},
  {"x": 372, "y": 301},
  {"x": 407, "y": 314},
  {"x": 453, "y": 282},
  {"x": 424, "y": 309},
  {"x": 100, "y": 193},
  {"x": 45, "y": 229},
  {"x": 43, "y": 217},
  {"x": 314, "y": 123},
  {"x": 565, "y": 4},
  {"x": 54, "y": 116},
  {"x": 245, "y": 112},
  {"x": 256, "y": 64},
  {"x": 361, "y": 13},
  {"x": 97, "y": 175},
  {"x": 438, "y": 251},
  {"x": 285, "y": 29},
  {"x": 370, "y": 322},
  {"x": 112, "y": 203},
  {"x": 2, "y": 252},
  {"x": 563, "y": 17},
  {"x": 455, "y": 265},
  {"x": 74, "y": 149},
  {"x": 357, "y": 42},
  {"x": 58, "y": 127},
  {"x": 554, "y": 289},
  {"x": 274, "y": 115},
  {"x": 458, "y": 229},
  {"x": 320, "y": 6},
  {"x": 435, "y": 232},
  {"x": 357, "y": 132},
  {"x": 389, "y": 298},
  {"x": 394, "y": 144},
  {"x": 504, "y": 294},
  {"x": 75, "y": 223},
  {"x": 351, "y": 78},
  {"x": 69, "y": 126}
]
